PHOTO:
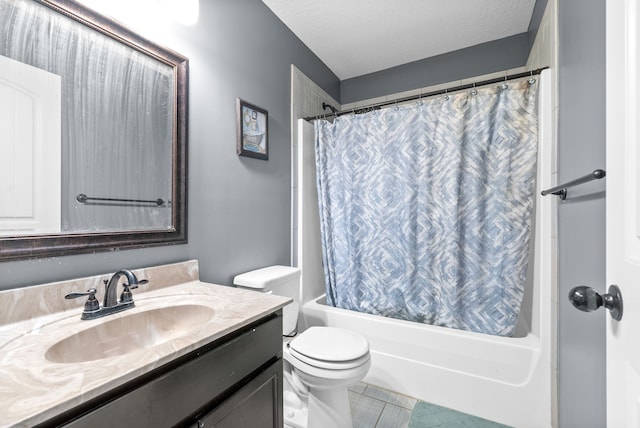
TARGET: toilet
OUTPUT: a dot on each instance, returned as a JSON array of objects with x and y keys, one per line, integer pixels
[{"x": 320, "y": 363}]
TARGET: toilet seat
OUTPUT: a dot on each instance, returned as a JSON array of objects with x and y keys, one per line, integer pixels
[
  {"x": 329, "y": 365},
  {"x": 315, "y": 376},
  {"x": 330, "y": 348}
]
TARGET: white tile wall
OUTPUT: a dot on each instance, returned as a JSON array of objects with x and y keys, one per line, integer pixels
[
  {"x": 544, "y": 53},
  {"x": 306, "y": 101}
]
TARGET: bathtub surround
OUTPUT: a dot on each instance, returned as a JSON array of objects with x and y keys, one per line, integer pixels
[
  {"x": 470, "y": 369},
  {"x": 425, "y": 209}
]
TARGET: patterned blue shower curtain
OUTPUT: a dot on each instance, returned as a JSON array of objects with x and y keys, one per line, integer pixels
[{"x": 425, "y": 210}]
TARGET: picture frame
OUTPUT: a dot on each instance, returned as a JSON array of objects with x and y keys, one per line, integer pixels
[{"x": 252, "y": 125}]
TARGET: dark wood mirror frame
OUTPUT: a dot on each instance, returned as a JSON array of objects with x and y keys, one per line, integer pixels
[{"x": 37, "y": 246}]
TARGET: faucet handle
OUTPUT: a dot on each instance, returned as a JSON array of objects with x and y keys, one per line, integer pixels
[
  {"x": 90, "y": 292},
  {"x": 126, "y": 295},
  {"x": 127, "y": 287},
  {"x": 92, "y": 303}
]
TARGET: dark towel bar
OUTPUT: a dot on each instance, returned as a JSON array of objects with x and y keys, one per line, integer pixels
[
  {"x": 83, "y": 199},
  {"x": 561, "y": 190}
]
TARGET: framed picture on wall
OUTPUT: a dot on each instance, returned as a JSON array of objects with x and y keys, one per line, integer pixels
[{"x": 252, "y": 124}]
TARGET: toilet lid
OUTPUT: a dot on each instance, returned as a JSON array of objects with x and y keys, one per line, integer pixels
[
  {"x": 330, "y": 344},
  {"x": 322, "y": 364}
]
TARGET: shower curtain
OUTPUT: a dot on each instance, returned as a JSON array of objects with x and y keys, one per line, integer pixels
[{"x": 425, "y": 209}]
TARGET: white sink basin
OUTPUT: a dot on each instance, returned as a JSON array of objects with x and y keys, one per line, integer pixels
[{"x": 129, "y": 333}]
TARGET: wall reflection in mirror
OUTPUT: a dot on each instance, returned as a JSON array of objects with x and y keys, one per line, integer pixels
[
  {"x": 116, "y": 130},
  {"x": 91, "y": 125}
]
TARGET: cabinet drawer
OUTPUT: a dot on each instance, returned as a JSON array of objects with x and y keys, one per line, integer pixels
[{"x": 182, "y": 392}]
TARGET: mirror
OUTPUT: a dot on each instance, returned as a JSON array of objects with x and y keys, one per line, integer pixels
[{"x": 95, "y": 134}]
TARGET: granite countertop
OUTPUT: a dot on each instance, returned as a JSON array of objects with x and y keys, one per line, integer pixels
[{"x": 34, "y": 389}]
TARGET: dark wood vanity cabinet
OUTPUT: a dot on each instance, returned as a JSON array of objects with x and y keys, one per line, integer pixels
[
  {"x": 251, "y": 406},
  {"x": 235, "y": 381}
]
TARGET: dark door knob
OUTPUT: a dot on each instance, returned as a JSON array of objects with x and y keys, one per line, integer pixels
[{"x": 587, "y": 299}]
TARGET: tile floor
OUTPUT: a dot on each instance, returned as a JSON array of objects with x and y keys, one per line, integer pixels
[{"x": 374, "y": 407}]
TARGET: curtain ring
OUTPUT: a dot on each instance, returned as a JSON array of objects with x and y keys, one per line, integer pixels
[
  {"x": 504, "y": 85},
  {"x": 531, "y": 79},
  {"x": 474, "y": 91}
]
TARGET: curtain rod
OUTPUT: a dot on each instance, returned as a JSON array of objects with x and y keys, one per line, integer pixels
[{"x": 376, "y": 106}]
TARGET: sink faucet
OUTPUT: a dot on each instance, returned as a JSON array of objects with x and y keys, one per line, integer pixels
[
  {"x": 112, "y": 285},
  {"x": 111, "y": 304}
]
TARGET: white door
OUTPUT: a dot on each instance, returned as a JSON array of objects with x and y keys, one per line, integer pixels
[
  {"x": 30, "y": 112},
  {"x": 623, "y": 211}
]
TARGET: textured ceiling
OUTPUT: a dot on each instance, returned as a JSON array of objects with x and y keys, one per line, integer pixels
[{"x": 356, "y": 37}]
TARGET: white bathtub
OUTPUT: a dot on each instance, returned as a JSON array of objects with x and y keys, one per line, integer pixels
[
  {"x": 497, "y": 378},
  {"x": 507, "y": 380}
]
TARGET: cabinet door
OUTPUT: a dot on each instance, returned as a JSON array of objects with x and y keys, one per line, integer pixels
[{"x": 258, "y": 404}]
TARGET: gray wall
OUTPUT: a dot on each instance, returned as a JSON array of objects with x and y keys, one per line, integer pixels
[
  {"x": 485, "y": 58},
  {"x": 239, "y": 208},
  {"x": 581, "y": 220}
]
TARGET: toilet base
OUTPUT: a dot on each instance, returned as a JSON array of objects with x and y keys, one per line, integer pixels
[
  {"x": 328, "y": 408},
  {"x": 316, "y": 390},
  {"x": 296, "y": 412}
]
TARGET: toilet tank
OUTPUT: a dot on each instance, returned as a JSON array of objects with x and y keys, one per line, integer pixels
[{"x": 278, "y": 280}]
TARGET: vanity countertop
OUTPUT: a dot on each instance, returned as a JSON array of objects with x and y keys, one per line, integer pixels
[{"x": 34, "y": 389}]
